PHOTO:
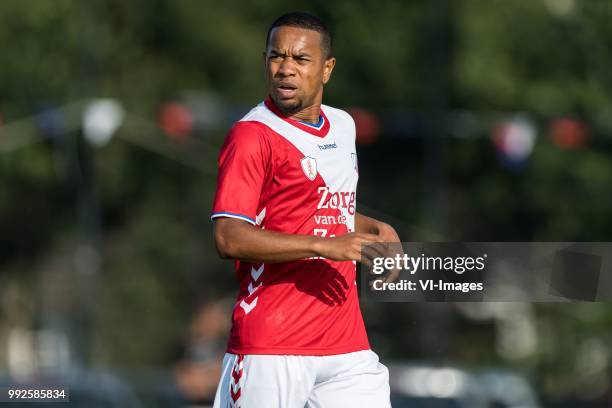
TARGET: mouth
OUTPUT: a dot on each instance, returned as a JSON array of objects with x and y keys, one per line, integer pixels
[{"x": 286, "y": 91}]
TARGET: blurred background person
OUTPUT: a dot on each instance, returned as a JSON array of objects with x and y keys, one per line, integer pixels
[{"x": 197, "y": 371}]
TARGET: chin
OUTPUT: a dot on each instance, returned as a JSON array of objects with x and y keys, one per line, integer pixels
[{"x": 288, "y": 105}]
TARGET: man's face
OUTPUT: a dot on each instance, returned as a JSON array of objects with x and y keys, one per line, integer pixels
[{"x": 296, "y": 68}]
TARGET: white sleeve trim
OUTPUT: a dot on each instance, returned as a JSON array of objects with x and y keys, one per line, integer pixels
[{"x": 232, "y": 215}]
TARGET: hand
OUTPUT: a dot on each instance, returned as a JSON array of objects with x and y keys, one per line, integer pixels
[
  {"x": 388, "y": 234},
  {"x": 346, "y": 247}
]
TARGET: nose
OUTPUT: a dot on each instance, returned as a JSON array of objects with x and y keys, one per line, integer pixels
[{"x": 286, "y": 67}]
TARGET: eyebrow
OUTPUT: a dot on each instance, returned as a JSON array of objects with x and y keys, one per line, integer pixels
[{"x": 298, "y": 54}]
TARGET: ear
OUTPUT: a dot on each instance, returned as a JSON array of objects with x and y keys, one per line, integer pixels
[{"x": 328, "y": 67}]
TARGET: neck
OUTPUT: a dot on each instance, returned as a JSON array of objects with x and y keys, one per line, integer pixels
[{"x": 309, "y": 114}]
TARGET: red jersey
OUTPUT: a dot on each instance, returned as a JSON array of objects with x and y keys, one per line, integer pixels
[{"x": 293, "y": 177}]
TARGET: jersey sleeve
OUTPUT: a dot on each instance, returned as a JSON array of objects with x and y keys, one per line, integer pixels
[{"x": 244, "y": 161}]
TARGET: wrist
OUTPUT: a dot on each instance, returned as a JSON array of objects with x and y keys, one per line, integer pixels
[{"x": 316, "y": 246}]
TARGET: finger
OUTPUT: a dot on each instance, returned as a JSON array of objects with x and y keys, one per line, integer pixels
[
  {"x": 370, "y": 254},
  {"x": 369, "y": 263},
  {"x": 392, "y": 250},
  {"x": 379, "y": 249},
  {"x": 391, "y": 276},
  {"x": 390, "y": 237},
  {"x": 366, "y": 261},
  {"x": 363, "y": 236}
]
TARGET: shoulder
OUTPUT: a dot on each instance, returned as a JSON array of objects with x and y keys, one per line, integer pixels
[
  {"x": 248, "y": 138},
  {"x": 250, "y": 135},
  {"x": 249, "y": 129},
  {"x": 252, "y": 127},
  {"x": 338, "y": 114},
  {"x": 340, "y": 120}
]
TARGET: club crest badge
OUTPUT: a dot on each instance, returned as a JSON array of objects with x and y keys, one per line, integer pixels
[{"x": 309, "y": 166}]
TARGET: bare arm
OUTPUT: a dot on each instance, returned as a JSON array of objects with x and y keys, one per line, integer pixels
[
  {"x": 236, "y": 239},
  {"x": 368, "y": 225}
]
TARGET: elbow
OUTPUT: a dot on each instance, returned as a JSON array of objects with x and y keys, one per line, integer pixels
[
  {"x": 227, "y": 240},
  {"x": 223, "y": 246}
]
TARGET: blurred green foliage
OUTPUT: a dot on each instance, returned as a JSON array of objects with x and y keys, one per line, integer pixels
[{"x": 488, "y": 57}]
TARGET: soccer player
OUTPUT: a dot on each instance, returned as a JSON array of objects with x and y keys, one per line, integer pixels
[{"x": 285, "y": 210}]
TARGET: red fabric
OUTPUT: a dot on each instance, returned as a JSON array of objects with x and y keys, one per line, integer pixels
[{"x": 304, "y": 307}]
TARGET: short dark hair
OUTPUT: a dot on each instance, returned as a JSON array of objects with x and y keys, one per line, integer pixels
[{"x": 308, "y": 21}]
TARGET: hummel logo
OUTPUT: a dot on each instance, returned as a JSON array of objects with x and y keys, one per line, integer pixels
[
  {"x": 328, "y": 146},
  {"x": 255, "y": 273},
  {"x": 248, "y": 306}
]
